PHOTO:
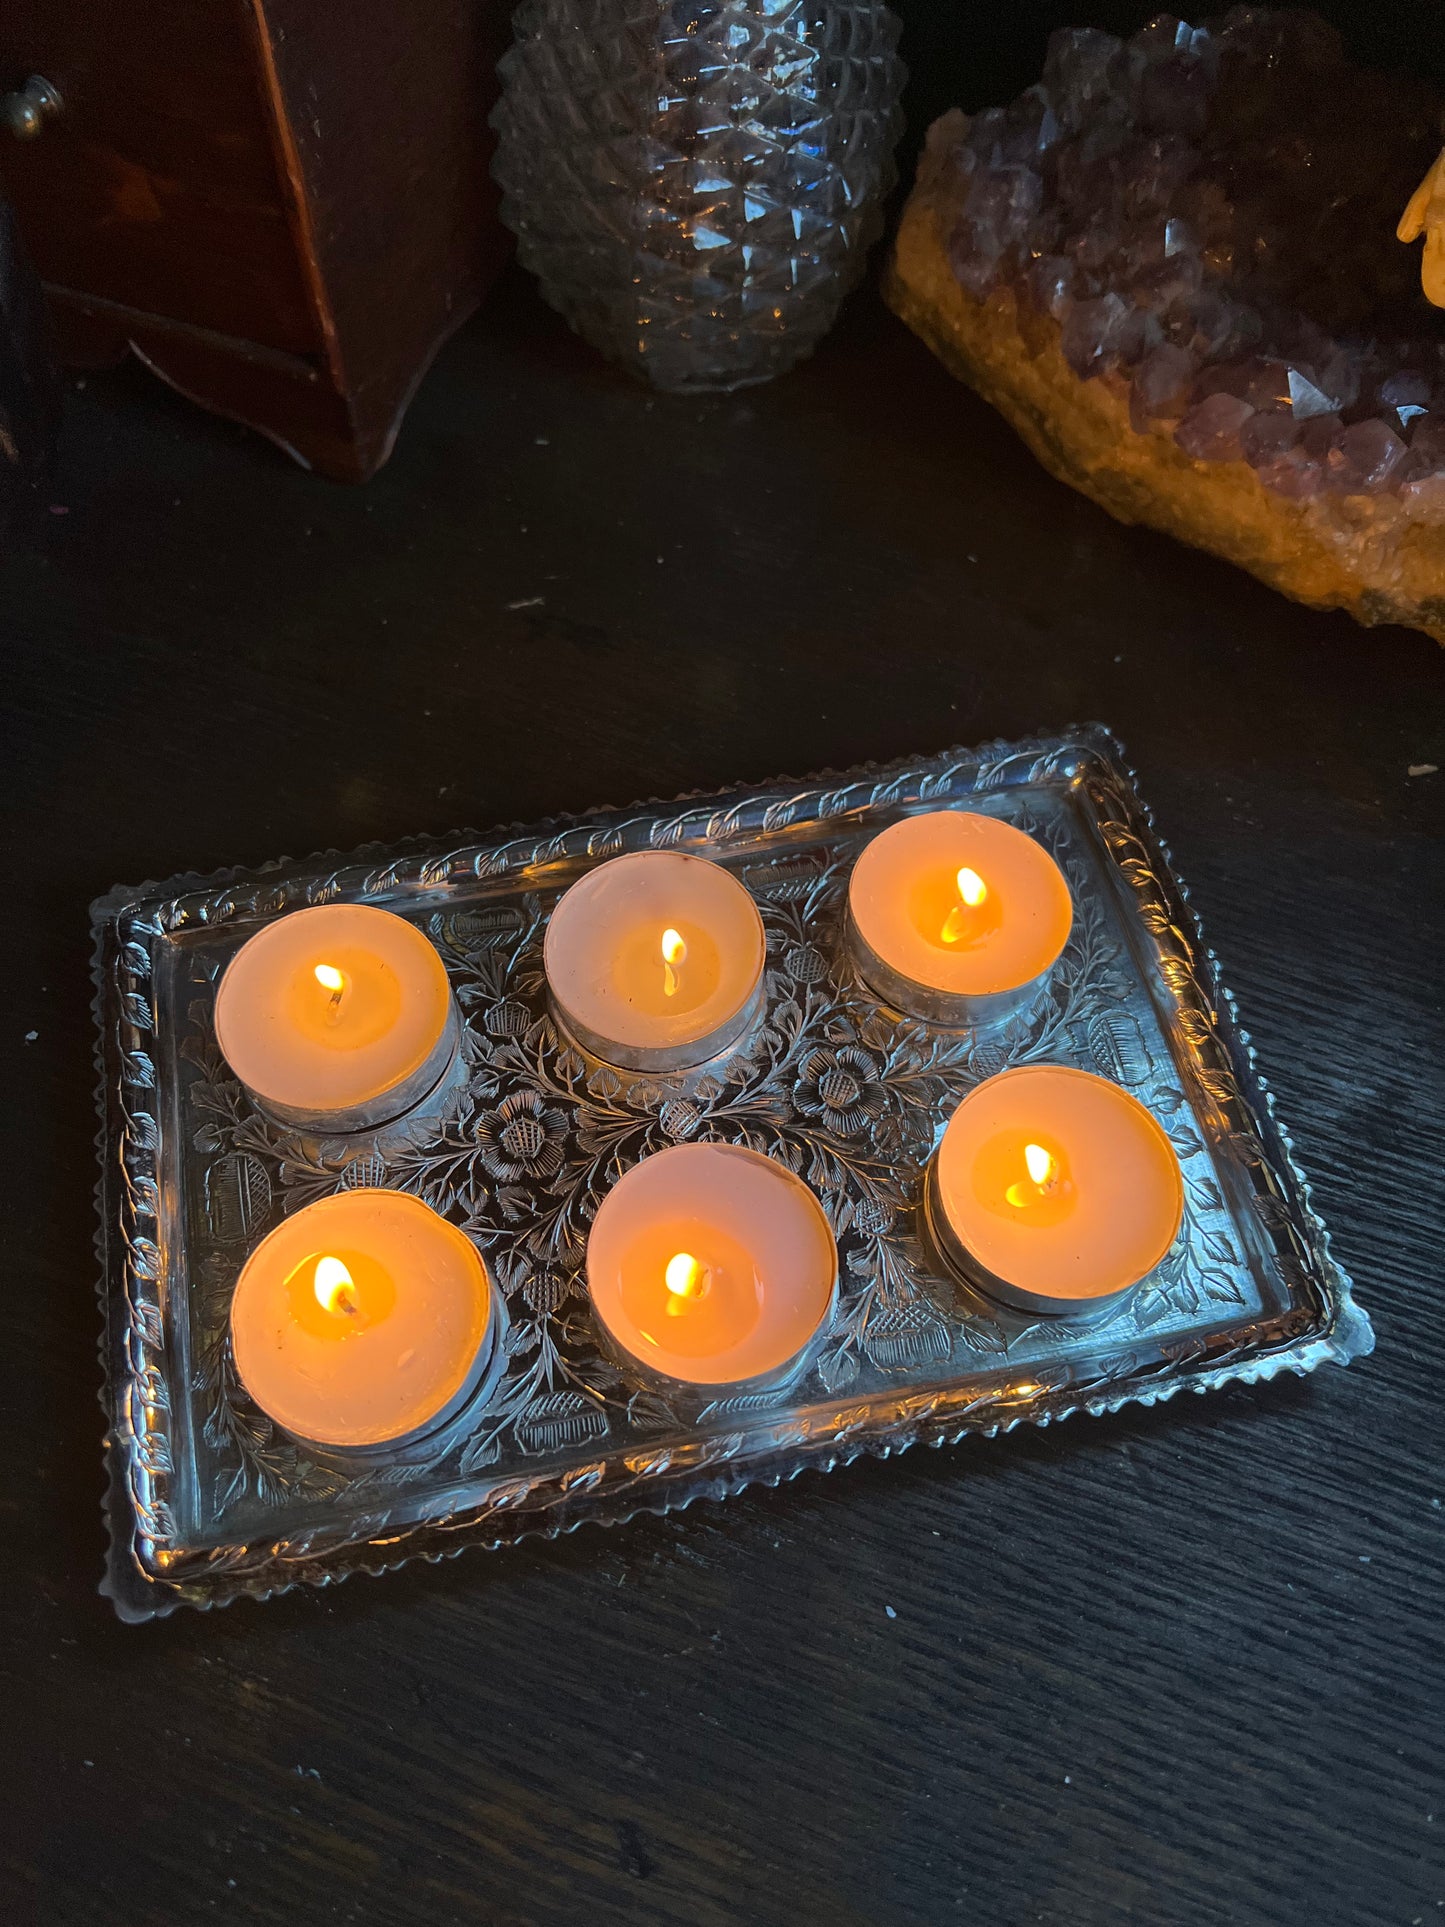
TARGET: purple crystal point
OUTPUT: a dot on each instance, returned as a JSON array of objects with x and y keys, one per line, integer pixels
[
  {"x": 1210, "y": 431},
  {"x": 1177, "y": 89},
  {"x": 1160, "y": 385},
  {"x": 1298, "y": 471},
  {"x": 1405, "y": 396},
  {"x": 1093, "y": 246},
  {"x": 1264, "y": 438},
  {"x": 1004, "y": 201},
  {"x": 1319, "y": 435},
  {"x": 1031, "y": 126},
  {"x": 1080, "y": 71},
  {"x": 998, "y": 211},
  {"x": 1365, "y": 458},
  {"x": 1050, "y": 284},
  {"x": 1146, "y": 245},
  {"x": 1407, "y": 389},
  {"x": 1294, "y": 474},
  {"x": 987, "y": 132},
  {"x": 1089, "y": 171},
  {"x": 1424, "y": 464},
  {"x": 1263, "y": 384},
  {"x": 1212, "y": 326},
  {"x": 975, "y": 265},
  {"x": 1092, "y": 334}
]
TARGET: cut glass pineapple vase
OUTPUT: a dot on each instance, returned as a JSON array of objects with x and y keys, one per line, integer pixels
[{"x": 696, "y": 183}]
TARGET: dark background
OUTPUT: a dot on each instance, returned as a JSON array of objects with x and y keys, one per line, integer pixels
[{"x": 1179, "y": 1666}]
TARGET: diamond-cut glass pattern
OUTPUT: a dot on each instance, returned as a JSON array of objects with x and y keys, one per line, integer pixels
[{"x": 696, "y": 183}]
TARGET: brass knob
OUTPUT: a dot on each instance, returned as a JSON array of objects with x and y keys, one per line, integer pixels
[{"x": 26, "y": 112}]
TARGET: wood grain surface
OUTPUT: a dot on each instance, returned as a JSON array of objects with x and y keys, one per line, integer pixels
[{"x": 1180, "y": 1666}]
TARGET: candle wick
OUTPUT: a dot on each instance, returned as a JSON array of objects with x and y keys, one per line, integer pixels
[
  {"x": 332, "y": 979},
  {"x": 335, "y": 1287}
]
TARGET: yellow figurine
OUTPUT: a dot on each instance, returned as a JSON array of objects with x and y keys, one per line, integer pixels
[{"x": 1426, "y": 214}]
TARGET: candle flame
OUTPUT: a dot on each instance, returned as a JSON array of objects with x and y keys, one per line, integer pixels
[
  {"x": 973, "y": 892},
  {"x": 674, "y": 954},
  {"x": 335, "y": 1287},
  {"x": 1043, "y": 1170},
  {"x": 686, "y": 1278},
  {"x": 1041, "y": 1165}
]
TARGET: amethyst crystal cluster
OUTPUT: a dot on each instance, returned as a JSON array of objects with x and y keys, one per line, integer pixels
[{"x": 1208, "y": 213}]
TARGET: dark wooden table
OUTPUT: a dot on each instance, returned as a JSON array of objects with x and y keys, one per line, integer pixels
[{"x": 1179, "y": 1666}]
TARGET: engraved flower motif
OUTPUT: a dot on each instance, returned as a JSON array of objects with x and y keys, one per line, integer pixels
[
  {"x": 678, "y": 1119},
  {"x": 508, "y": 1018},
  {"x": 363, "y": 1173},
  {"x": 873, "y": 1217},
  {"x": 673, "y": 1118},
  {"x": 805, "y": 963},
  {"x": 522, "y": 1138},
  {"x": 842, "y": 1088},
  {"x": 545, "y": 1289}
]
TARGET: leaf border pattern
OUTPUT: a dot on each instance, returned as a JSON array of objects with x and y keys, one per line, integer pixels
[{"x": 582, "y": 1126}]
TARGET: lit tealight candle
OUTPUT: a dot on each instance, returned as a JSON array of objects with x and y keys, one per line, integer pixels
[
  {"x": 956, "y": 917},
  {"x": 712, "y": 1264},
  {"x": 1054, "y": 1190},
  {"x": 655, "y": 960},
  {"x": 338, "y": 1018},
  {"x": 362, "y": 1321}
]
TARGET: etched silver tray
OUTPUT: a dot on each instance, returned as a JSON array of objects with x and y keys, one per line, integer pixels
[{"x": 207, "y": 1500}]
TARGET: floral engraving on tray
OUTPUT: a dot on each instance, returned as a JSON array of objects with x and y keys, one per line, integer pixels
[{"x": 533, "y": 1133}]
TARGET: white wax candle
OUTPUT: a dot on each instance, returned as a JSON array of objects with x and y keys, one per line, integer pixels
[
  {"x": 655, "y": 960},
  {"x": 338, "y": 1018},
  {"x": 361, "y": 1320},
  {"x": 954, "y": 915},
  {"x": 1055, "y": 1190},
  {"x": 711, "y": 1263}
]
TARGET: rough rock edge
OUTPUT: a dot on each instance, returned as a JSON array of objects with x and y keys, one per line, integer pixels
[{"x": 1377, "y": 556}]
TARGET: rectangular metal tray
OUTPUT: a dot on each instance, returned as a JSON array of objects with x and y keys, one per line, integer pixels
[{"x": 207, "y": 1500}]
